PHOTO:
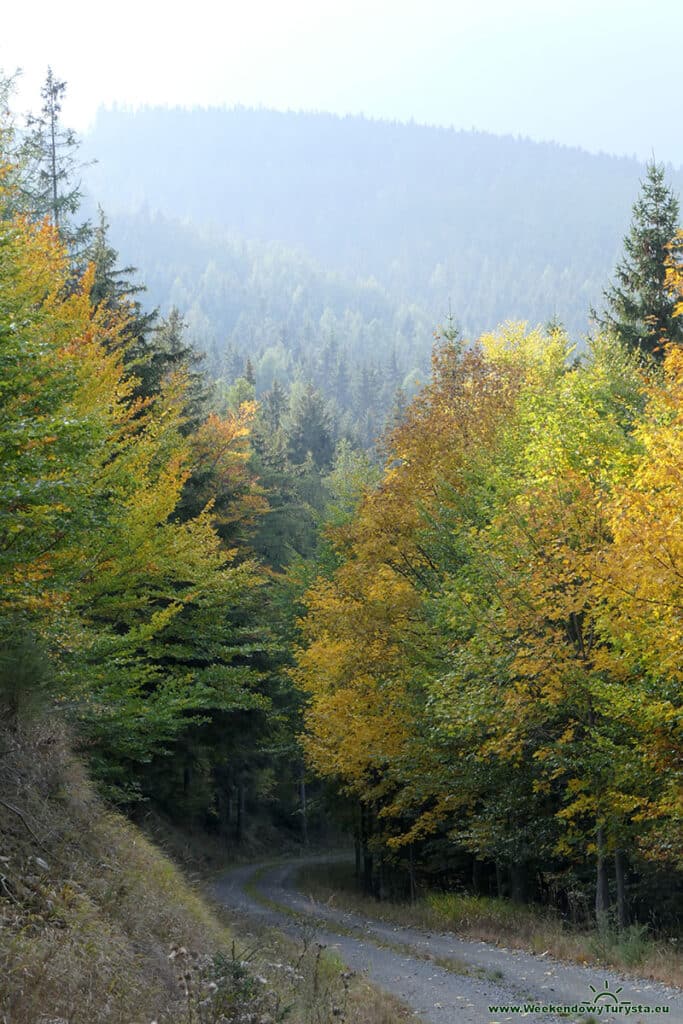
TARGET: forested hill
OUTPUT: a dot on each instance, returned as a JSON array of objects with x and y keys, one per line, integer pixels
[
  {"x": 274, "y": 304},
  {"x": 501, "y": 228}
]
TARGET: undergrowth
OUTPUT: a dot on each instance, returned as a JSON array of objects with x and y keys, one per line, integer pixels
[
  {"x": 536, "y": 929},
  {"x": 97, "y": 925}
]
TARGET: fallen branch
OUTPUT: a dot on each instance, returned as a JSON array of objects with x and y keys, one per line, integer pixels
[
  {"x": 10, "y": 894},
  {"x": 15, "y": 810}
]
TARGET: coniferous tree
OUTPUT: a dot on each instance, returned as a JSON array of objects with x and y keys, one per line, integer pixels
[
  {"x": 232, "y": 364},
  {"x": 273, "y": 404},
  {"x": 111, "y": 284},
  {"x": 11, "y": 158},
  {"x": 50, "y": 153},
  {"x": 288, "y": 529},
  {"x": 399, "y": 409},
  {"x": 169, "y": 351},
  {"x": 113, "y": 289},
  {"x": 249, "y": 372},
  {"x": 309, "y": 427},
  {"x": 639, "y": 306}
]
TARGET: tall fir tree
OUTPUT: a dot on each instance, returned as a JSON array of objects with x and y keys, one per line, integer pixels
[
  {"x": 50, "y": 186},
  {"x": 273, "y": 405},
  {"x": 640, "y": 308},
  {"x": 309, "y": 427},
  {"x": 11, "y": 158},
  {"x": 114, "y": 289}
]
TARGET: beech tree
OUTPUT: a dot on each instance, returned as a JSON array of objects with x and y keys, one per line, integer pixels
[
  {"x": 485, "y": 662},
  {"x": 639, "y": 577},
  {"x": 139, "y": 611}
]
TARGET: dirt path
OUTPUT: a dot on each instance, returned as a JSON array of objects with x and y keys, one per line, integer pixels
[{"x": 411, "y": 963}]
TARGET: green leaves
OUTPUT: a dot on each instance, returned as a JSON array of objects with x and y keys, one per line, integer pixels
[
  {"x": 476, "y": 660},
  {"x": 141, "y": 610}
]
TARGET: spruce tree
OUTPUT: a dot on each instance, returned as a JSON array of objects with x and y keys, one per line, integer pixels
[
  {"x": 639, "y": 307},
  {"x": 50, "y": 156},
  {"x": 169, "y": 350},
  {"x": 309, "y": 428},
  {"x": 153, "y": 347},
  {"x": 273, "y": 405},
  {"x": 112, "y": 285},
  {"x": 10, "y": 155}
]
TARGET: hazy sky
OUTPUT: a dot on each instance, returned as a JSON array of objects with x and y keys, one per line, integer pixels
[{"x": 609, "y": 79}]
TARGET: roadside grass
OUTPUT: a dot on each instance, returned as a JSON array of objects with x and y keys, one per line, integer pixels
[
  {"x": 308, "y": 920},
  {"x": 88, "y": 907},
  {"x": 98, "y": 925},
  {"x": 503, "y": 923},
  {"x": 311, "y": 983}
]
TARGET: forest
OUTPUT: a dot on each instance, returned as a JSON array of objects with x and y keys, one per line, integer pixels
[
  {"x": 316, "y": 583},
  {"x": 329, "y": 248}
]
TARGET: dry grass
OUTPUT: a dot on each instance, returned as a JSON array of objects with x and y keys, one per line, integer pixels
[
  {"x": 97, "y": 925},
  {"x": 88, "y": 907},
  {"x": 307, "y": 984},
  {"x": 505, "y": 924}
]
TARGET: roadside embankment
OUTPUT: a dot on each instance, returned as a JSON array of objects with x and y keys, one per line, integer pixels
[{"x": 98, "y": 925}]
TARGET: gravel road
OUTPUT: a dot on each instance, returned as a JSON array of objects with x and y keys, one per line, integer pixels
[{"x": 482, "y": 983}]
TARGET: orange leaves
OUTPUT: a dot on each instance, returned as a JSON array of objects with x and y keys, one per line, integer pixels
[
  {"x": 506, "y": 625},
  {"x": 222, "y": 439},
  {"x": 351, "y": 666},
  {"x": 367, "y": 634},
  {"x": 674, "y": 271},
  {"x": 221, "y": 474},
  {"x": 642, "y": 571}
]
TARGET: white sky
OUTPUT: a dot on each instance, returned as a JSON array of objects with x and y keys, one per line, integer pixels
[{"x": 609, "y": 79}]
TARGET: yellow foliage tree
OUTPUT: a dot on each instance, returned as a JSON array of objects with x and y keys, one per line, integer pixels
[{"x": 134, "y": 602}]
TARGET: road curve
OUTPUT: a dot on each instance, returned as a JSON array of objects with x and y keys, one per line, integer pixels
[{"x": 411, "y": 963}]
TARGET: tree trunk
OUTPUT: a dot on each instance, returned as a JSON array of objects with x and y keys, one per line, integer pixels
[
  {"x": 367, "y": 856},
  {"x": 304, "y": 811},
  {"x": 239, "y": 824},
  {"x": 411, "y": 874},
  {"x": 518, "y": 882},
  {"x": 476, "y": 875},
  {"x": 53, "y": 164},
  {"x": 601, "y": 880},
  {"x": 378, "y": 886},
  {"x": 357, "y": 841},
  {"x": 622, "y": 903}
]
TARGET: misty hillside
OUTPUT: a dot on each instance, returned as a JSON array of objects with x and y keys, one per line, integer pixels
[
  {"x": 273, "y": 303},
  {"x": 500, "y": 227}
]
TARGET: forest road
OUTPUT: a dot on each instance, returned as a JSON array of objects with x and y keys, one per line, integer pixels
[{"x": 482, "y": 984}]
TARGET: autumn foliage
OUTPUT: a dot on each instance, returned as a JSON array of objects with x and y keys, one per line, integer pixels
[
  {"x": 133, "y": 598},
  {"x": 497, "y": 657}
]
